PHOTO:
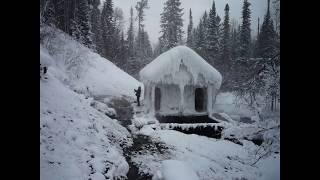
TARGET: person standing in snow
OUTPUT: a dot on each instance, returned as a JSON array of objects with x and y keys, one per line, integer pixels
[
  {"x": 44, "y": 70},
  {"x": 138, "y": 93}
]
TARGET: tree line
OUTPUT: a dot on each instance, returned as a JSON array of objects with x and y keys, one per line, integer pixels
[
  {"x": 249, "y": 65},
  {"x": 102, "y": 29}
]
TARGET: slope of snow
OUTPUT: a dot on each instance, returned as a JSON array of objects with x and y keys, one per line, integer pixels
[
  {"x": 85, "y": 71},
  {"x": 167, "y": 67},
  {"x": 77, "y": 139}
]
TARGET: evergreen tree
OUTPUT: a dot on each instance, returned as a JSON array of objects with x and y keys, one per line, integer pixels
[
  {"x": 235, "y": 43},
  {"x": 147, "y": 47},
  {"x": 245, "y": 33},
  {"x": 140, "y": 7},
  {"x": 226, "y": 52},
  {"x": 201, "y": 37},
  {"x": 130, "y": 35},
  {"x": 267, "y": 37},
  {"x": 47, "y": 12},
  {"x": 171, "y": 25},
  {"x": 213, "y": 35},
  {"x": 81, "y": 27},
  {"x": 123, "y": 53},
  {"x": 96, "y": 26},
  {"x": 108, "y": 28},
  {"x": 190, "y": 28}
]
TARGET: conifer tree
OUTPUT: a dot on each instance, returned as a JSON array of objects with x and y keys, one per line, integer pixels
[
  {"x": 108, "y": 28},
  {"x": 245, "y": 33},
  {"x": 226, "y": 52},
  {"x": 190, "y": 28},
  {"x": 213, "y": 35},
  {"x": 130, "y": 35},
  {"x": 171, "y": 25},
  {"x": 267, "y": 37}
]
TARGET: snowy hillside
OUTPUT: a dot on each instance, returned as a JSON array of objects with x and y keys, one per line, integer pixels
[
  {"x": 76, "y": 140},
  {"x": 81, "y": 69},
  {"x": 83, "y": 137}
]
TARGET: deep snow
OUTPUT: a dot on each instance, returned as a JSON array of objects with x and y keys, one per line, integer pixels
[
  {"x": 165, "y": 68},
  {"x": 77, "y": 139}
]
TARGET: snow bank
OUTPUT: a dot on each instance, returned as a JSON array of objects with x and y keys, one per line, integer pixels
[
  {"x": 208, "y": 158},
  {"x": 167, "y": 66},
  {"x": 77, "y": 139},
  {"x": 177, "y": 170},
  {"x": 85, "y": 71},
  {"x": 271, "y": 168}
]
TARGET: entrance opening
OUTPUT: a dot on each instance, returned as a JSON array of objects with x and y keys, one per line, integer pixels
[
  {"x": 200, "y": 99},
  {"x": 157, "y": 101}
]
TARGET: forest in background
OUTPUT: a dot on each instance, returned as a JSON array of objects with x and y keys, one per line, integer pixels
[{"x": 249, "y": 64}]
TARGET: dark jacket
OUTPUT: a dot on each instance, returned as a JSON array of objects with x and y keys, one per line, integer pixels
[{"x": 138, "y": 92}]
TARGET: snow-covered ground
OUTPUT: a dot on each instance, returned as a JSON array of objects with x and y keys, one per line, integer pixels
[
  {"x": 208, "y": 158},
  {"x": 228, "y": 103},
  {"x": 83, "y": 70},
  {"x": 77, "y": 140}
]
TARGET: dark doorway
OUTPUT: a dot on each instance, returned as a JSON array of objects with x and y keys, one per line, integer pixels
[
  {"x": 200, "y": 99},
  {"x": 157, "y": 96}
]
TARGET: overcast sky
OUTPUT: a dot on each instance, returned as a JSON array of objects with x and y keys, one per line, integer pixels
[{"x": 152, "y": 18}]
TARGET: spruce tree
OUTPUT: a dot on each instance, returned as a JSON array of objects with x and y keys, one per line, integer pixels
[
  {"x": 267, "y": 37},
  {"x": 190, "y": 28},
  {"x": 171, "y": 25},
  {"x": 201, "y": 37},
  {"x": 140, "y": 7},
  {"x": 96, "y": 26},
  {"x": 245, "y": 33},
  {"x": 81, "y": 27},
  {"x": 130, "y": 35},
  {"x": 213, "y": 35},
  {"x": 226, "y": 52},
  {"x": 108, "y": 28}
]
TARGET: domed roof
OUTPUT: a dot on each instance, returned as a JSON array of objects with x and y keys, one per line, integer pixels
[{"x": 180, "y": 65}]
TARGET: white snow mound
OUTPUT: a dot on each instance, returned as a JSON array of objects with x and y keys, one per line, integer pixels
[
  {"x": 177, "y": 170},
  {"x": 82, "y": 69},
  {"x": 166, "y": 67}
]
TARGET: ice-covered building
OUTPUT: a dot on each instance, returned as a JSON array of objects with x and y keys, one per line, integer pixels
[{"x": 180, "y": 83}]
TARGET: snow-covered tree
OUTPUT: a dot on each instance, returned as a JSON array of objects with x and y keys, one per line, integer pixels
[
  {"x": 226, "y": 54},
  {"x": 47, "y": 12},
  {"x": 235, "y": 40},
  {"x": 141, "y": 6},
  {"x": 130, "y": 35},
  {"x": 267, "y": 37},
  {"x": 108, "y": 28},
  {"x": 81, "y": 27},
  {"x": 245, "y": 32},
  {"x": 96, "y": 26},
  {"x": 213, "y": 35},
  {"x": 190, "y": 28},
  {"x": 171, "y": 25},
  {"x": 201, "y": 36}
]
